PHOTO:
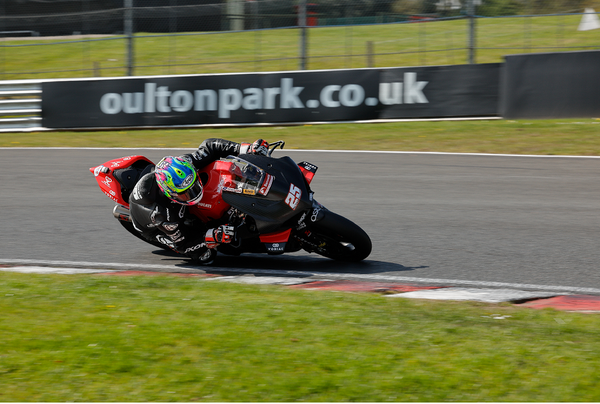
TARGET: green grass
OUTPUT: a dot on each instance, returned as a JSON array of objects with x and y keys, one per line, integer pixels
[
  {"x": 94, "y": 338},
  {"x": 160, "y": 338},
  {"x": 551, "y": 137},
  {"x": 406, "y": 44}
]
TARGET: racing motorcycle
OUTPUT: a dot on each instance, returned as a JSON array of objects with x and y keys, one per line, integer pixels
[{"x": 267, "y": 199}]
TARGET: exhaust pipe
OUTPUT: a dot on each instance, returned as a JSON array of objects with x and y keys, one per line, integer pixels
[{"x": 120, "y": 212}]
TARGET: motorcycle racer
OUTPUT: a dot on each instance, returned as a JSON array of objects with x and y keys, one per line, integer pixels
[{"x": 159, "y": 201}]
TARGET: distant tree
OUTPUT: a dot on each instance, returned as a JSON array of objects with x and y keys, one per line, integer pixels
[
  {"x": 428, "y": 6},
  {"x": 406, "y": 7},
  {"x": 493, "y": 8},
  {"x": 556, "y": 6}
]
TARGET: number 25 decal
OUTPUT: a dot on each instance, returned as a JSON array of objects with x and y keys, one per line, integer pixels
[{"x": 293, "y": 197}]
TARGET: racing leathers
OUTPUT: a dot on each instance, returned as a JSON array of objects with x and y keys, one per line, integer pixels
[{"x": 159, "y": 219}]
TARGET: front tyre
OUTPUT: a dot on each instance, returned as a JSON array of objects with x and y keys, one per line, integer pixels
[
  {"x": 338, "y": 238},
  {"x": 204, "y": 258}
]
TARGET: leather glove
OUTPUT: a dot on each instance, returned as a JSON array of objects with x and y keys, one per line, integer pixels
[
  {"x": 260, "y": 147},
  {"x": 221, "y": 235}
]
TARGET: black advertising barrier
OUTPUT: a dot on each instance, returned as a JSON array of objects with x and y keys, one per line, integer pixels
[
  {"x": 440, "y": 91},
  {"x": 551, "y": 85},
  {"x": 312, "y": 96},
  {"x": 211, "y": 99}
]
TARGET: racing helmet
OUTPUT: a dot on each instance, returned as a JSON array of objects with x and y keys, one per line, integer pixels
[{"x": 177, "y": 179}]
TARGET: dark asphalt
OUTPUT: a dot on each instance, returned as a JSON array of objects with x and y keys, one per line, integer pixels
[{"x": 522, "y": 220}]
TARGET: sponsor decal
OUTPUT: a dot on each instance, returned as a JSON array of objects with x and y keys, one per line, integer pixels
[
  {"x": 111, "y": 196},
  {"x": 160, "y": 99},
  {"x": 204, "y": 205},
  {"x": 310, "y": 167},
  {"x": 266, "y": 187},
  {"x": 293, "y": 196},
  {"x": 315, "y": 214},
  {"x": 301, "y": 223},
  {"x": 118, "y": 163},
  {"x": 275, "y": 247},
  {"x": 249, "y": 192},
  {"x": 234, "y": 190},
  {"x": 194, "y": 248},
  {"x": 107, "y": 181},
  {"x": 302, "y": 218},
  {"x": 187, "y": 181}
]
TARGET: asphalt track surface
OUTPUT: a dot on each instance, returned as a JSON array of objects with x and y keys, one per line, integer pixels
[{"x": 435, "y": 218}]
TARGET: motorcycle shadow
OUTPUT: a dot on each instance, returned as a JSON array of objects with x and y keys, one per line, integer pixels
[{"x": 292, "y": 262}]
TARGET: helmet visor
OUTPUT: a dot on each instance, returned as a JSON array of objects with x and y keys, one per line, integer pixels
[{"x": 190, "y": 196}]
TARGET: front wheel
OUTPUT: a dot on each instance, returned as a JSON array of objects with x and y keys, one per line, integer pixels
[{"x": 338, "y": 238}]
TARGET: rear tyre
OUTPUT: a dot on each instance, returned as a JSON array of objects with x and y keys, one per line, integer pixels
[{"x": 340, "y": 239}]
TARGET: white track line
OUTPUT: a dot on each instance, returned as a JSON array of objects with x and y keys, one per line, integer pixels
[
  {"x": 315, "y": 151},
  {"x": 328, "y": 275}
]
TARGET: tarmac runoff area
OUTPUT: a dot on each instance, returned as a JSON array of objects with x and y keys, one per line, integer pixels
[{"x": 524, "y": 298}]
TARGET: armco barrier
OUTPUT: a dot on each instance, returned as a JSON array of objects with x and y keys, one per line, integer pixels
[
  {"x": 20, "y": 104},
  {"x": 273, "y": 98}
]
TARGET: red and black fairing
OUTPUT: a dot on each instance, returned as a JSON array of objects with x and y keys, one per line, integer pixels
[
  {"x": 283, "y": 196},
  {"x": 289, "y": 194},
  {"x": 117, "y": 177}
]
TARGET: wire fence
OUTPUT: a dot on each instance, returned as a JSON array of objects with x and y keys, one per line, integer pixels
[{"x": 94, "y": 38}]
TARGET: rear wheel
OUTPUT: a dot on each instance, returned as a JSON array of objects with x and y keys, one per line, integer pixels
[{"x": 338, "y": 238}]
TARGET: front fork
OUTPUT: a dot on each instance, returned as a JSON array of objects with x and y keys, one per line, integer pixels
[
  {"x": 303, "y": 233},
  {"x": 313, "y": 215}
]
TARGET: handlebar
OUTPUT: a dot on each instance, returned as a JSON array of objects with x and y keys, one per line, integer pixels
[{"x": 275, "y": 145}]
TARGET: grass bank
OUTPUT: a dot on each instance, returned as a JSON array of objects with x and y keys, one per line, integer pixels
[
  {"x": 548, "y": 137},
  {"x": 161, "y": 338},
  {"x": 432, "y": 43}
]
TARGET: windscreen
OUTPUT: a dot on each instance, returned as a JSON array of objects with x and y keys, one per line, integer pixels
[{"x": 244, "y": 177}]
